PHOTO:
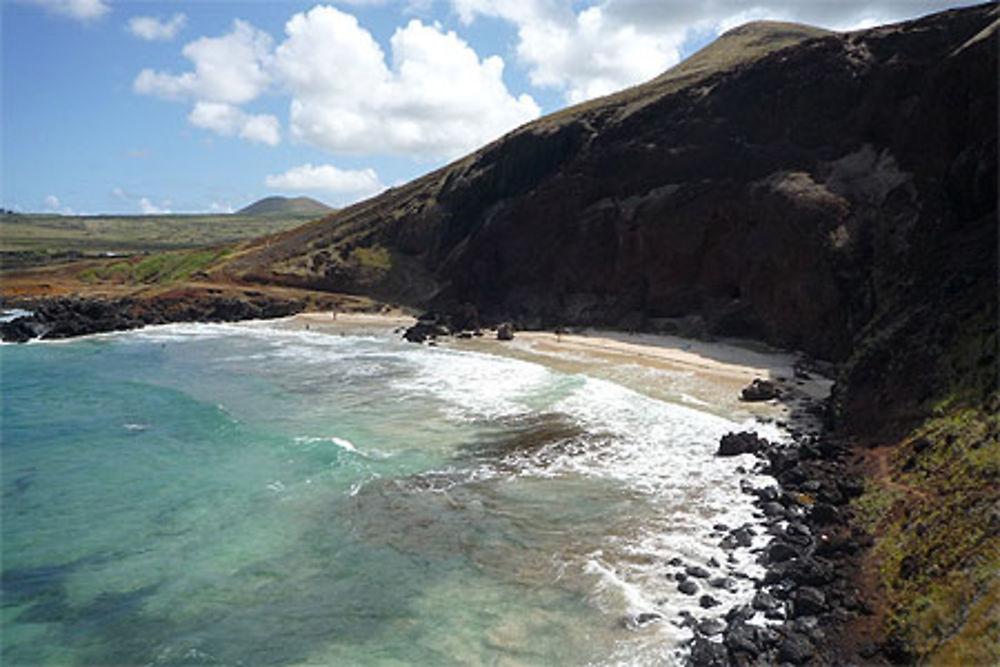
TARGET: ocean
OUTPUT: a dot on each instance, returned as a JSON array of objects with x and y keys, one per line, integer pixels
[{"x": 250, "y": 494}]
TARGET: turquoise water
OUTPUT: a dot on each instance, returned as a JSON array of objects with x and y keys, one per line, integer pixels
[{"x": 249, "y": 495}]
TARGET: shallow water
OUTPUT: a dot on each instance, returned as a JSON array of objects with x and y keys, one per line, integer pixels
[{"x": 243, "y": 494}]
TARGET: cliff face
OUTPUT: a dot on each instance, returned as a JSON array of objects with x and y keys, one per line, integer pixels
[{"x": 834, "y": 193}]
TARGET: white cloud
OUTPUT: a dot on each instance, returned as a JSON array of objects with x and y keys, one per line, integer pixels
[
  {"x": 149, "y": 208},
  {"x": 327, "y": 178},
  {"x": 153, "y": 29},
  {"x": 436, "y": 98},
  {"x": 117, "y": 193},
  {"x": 220, "y": 207},
  {"x": 229, "y": 120},
  {"x": 81, "y": 10},
  {"x": 613, "y": 44},
  {"x": 231, "y": 69},
  {"x": 587, "y": 53},
  {"x": 53, "y": 205}
]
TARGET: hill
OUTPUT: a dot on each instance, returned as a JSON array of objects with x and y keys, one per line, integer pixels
[
  {"x": 829, "y": 192},
  {"x": 285, "y": 205}
]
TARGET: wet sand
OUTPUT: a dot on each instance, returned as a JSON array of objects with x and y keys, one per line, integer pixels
[{"x": 706, "y": 375}]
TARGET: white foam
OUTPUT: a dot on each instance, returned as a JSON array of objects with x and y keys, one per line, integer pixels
[
  {"x": 611, "y": 584},
  {"x": 11, "y": 314},
  {"x": 473, "y": 386},
  {"x": 342, "y": 443}
]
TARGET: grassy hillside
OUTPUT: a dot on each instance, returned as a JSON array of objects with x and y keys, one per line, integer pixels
[{"x": 30, "y": 239}]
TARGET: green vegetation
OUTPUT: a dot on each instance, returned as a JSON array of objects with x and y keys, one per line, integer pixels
[
  {"x": 741, "y": 45},
  {"x": 373, "y": 258},
  {"x": 27, "y": 240},
  {"x": 938, "y": 551},
  {"x": 155, "y": 269}
]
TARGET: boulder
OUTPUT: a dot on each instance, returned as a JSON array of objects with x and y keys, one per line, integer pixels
[
  {"x": 823, "y": 513},
  {"x": 762, "y": 601},
  {"x": 711, "y": 627},
  {"x": 743, "y": 536},
  {"x": 739, "y": 614},
  {"x": 697, "y": 571},
  {"x": 808, "y": 601},
  {"x": 505, "y": 331},
  {"x": 424, "y": 330},
  {"x": 796, "y": 649},
  {"x": 722, "y": 582},
  {"x": 706, "y": 653},
  {"x": 778, "y": 552},
  {"x": 744, "y": 442},
  {"x": 760, "y": 390},
  {"x": 687, "y": 587},
  {"x": 741, "y": 637}
]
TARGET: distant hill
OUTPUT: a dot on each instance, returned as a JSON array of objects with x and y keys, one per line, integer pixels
[{"x": 290, "y": 205}]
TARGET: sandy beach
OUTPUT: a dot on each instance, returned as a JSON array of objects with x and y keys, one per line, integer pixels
[{"x": 706, "y": 375}]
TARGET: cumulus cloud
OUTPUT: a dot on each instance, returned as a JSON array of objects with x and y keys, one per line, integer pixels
[
  {"x": 435, "y": 96},
  {"x": 587, "y": 53},
  {"x": 151, "y": 28},
  {"x": 327, "y": 178},
  {"x": 149, "y": 208},
  {"x": 228, "y": 120},
  {"x": 613, "y": 44},
  {"x": 81, "y": 10},
  {"x": 230, "y": 69},
  {"x": 432, "y": 96}
]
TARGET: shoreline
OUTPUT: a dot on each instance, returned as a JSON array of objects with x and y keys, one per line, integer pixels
[
  {"x": 700, "y": 374},
  {"x": 807, "y": 595}
]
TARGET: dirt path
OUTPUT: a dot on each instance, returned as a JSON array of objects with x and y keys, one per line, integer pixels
[{"x": 883, "y": 475}]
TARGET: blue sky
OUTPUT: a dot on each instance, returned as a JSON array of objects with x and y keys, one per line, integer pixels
[{"x": 145, "y": 107}]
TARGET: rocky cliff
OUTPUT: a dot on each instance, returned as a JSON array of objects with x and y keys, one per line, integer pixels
[{"x": 834, "y": 193}]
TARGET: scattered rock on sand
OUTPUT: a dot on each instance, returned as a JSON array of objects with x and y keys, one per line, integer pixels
[
  {"x": 760, "y": 390},
  {"x": 687, "y": 587},
  {"x": 744, "y": 442}
]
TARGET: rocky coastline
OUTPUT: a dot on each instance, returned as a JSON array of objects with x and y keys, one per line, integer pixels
[
  {"x": 808, "y": 593},
  {"x": 70, "y": 316}
]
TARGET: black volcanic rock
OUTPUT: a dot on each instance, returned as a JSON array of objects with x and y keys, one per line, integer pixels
[
  {"x": 760, "y": 390},
  {"x": 833, "y": 193},
  {"x": 66, "y": 317},
  {"x": 744, "y": 442}
]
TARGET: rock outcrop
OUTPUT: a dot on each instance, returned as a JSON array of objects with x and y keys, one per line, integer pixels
[
  {"x": 65, "y": 317},
  {"x": 828, "y": 192}
]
